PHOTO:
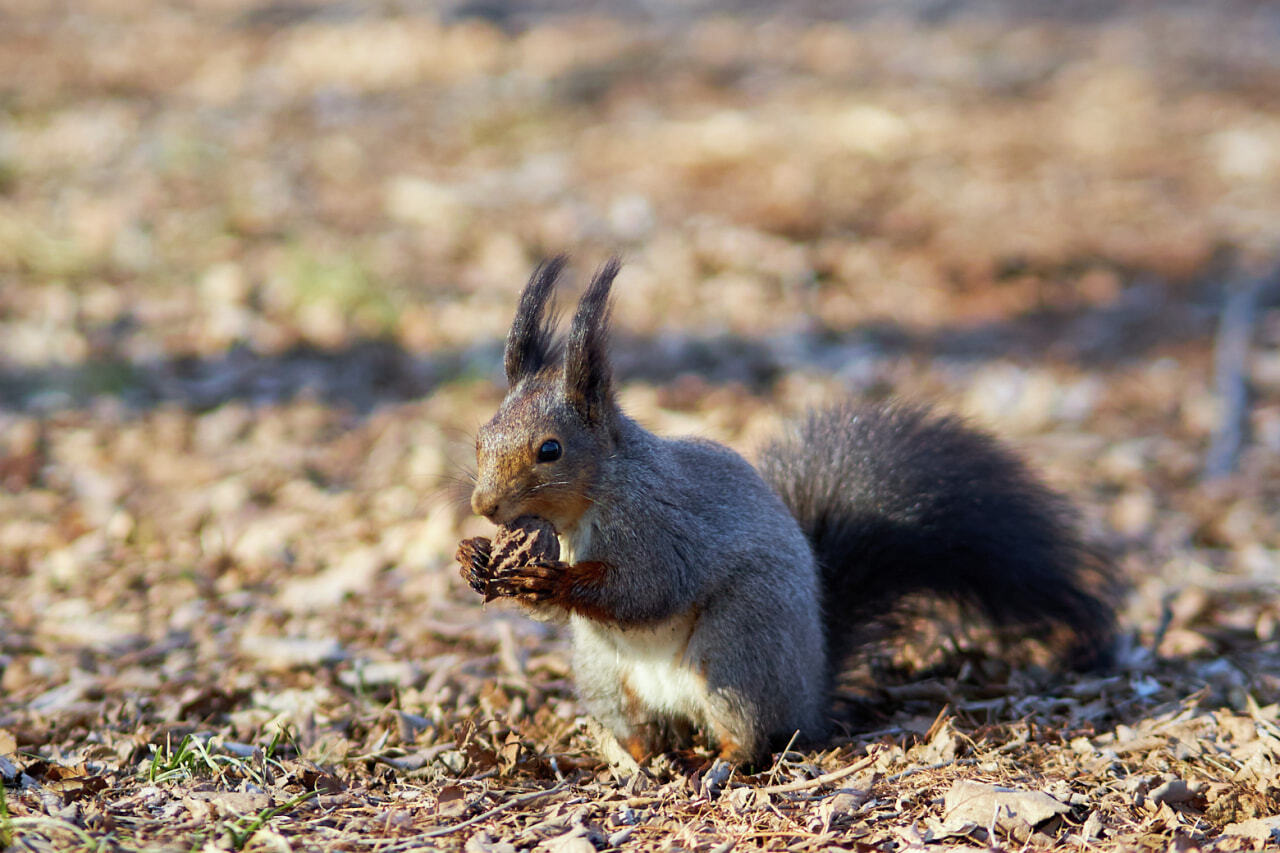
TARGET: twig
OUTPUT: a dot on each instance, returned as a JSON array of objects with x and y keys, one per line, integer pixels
[
  {"x": 407, "y": 843},
  {"x": 817, "y": 781},
  {"x": 1166, "y": 619},
  {"x": 777, "y": 765},
  {"x": 1231, "y": 379},
  {"x": 961, "y": 762}
]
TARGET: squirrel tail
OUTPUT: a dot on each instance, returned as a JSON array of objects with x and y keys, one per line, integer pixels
[{"x": 896, "y": 500}]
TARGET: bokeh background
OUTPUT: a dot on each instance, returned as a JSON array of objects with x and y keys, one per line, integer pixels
[{"x": 257, "y": 260}]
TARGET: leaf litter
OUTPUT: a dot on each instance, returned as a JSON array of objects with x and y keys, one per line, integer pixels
[{"x": 257, "y": 261}]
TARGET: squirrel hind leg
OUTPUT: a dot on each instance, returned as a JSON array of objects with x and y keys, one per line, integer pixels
[
  {"x": 614, "y": 753},
  {"x": 732, "y": 734},
  {"x": 620, "y": 722},
  {"x": 645, "y": 740},
  {"x": 737, "y": 747}
]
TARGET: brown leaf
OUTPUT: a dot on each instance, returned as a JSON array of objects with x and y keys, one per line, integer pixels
[
  {"x": 319, "y": 780},
  {"x": 204, "y": 702},
  {"x": 982, "y": 805},
  {"x": 1174, "y": 791},
  {"x": 74, "y": 788},
  {"x": 451, "y": 802},
  {"x": 482, "y": 842},
  {"x": 509, "y": 754},
  {"x": 1262, "y": 829},
  {"x": 942, "y": 742},
  {"x": 233, "y": 803}
]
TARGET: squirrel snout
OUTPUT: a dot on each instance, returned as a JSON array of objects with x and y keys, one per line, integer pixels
[{"x": 485, "y": 503}]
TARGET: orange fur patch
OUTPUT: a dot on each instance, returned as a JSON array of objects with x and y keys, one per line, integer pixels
[{"x": 575, "y": 580}]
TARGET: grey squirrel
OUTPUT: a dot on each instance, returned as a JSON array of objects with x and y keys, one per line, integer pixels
[{"x": 704, "y": 594}]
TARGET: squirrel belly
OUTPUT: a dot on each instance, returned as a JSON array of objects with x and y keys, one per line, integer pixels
[{"x": 649, "y": 665}]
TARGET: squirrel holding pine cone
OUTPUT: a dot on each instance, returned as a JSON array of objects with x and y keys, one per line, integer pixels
[{"x": 703, "y": 594}]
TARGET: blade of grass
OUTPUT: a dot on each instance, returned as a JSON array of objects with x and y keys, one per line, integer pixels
[
  {"x": 47, "y": 825},
  {"x": 240, "y": 836},
  {"x": 6, "y": 826}
]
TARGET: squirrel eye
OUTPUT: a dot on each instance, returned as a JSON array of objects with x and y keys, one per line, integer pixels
[{"x": 550, "y": 451}]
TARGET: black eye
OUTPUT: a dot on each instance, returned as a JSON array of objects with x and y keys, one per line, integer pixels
[{"x": 550, "y": 451}]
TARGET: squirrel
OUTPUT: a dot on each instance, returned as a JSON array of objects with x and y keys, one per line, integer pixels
[{"x": 704, "y": 594}]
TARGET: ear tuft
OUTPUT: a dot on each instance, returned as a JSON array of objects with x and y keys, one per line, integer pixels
[
  {"x": 588, "y": 375},
  {"x": 531, "y": 343}
]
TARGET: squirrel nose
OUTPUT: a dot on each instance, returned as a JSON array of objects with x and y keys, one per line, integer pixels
[{"x": 484, "y": 503}]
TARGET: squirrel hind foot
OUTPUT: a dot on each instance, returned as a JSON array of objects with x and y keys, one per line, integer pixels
[{"x": 620, "y": 760}]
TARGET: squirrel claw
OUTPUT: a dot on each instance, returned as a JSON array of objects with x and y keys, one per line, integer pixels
[
  {"x": 473, "y": 557},
  {"x": 532, "y": 584}
]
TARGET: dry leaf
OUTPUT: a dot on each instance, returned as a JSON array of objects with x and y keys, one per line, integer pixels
[
  {"x": 1174, "y": 791},
  {"x": 451, "y": 802},
  {"x": 482, "y": 842},
  {"x": 233, "y": 803},
  {"x": 1263, "y": 829},
  {"x": 257, "y": 262},
  {"x": 985, "y": 805}
]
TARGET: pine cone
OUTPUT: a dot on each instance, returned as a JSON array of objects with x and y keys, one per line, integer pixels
[{"x": 525, "y": 541}]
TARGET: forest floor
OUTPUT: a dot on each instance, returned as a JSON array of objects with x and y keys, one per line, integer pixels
[{"x": 256, "y": 264}]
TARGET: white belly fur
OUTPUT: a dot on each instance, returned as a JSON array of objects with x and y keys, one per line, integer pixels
[
  {"x": 649, "y": 661},
  {"x": 576, "y": 541}
]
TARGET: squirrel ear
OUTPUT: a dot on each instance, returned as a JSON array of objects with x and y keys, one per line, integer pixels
[
  {"x": 588, "y": 376},
  {"x": 530, "y": 343}
]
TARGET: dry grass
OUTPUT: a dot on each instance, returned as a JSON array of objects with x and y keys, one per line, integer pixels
[{"x": 255, "y": 265}]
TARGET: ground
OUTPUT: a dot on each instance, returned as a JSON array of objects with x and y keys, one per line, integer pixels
[{"x": 256, "y": 263}]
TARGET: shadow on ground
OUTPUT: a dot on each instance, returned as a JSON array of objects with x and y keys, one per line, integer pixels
[{"x": 1148, "y": 317}]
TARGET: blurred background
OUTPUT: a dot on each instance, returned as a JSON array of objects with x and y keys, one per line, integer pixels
[{"x": 257, "y": 260}]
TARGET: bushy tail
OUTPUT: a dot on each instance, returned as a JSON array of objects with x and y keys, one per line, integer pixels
[{"x": 896, "y": 500}]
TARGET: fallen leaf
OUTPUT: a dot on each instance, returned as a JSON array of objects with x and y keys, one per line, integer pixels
[
  {"x": 451, "y": 802},
  {"x": 1173, "y": 792},
  {"x": 482, "y": 842},
  {"x": 984, "y": 805},
  {"x": 1264, "y": 829},
  {"x": 233, "y": 802},
  {"x": 573, "y": 841}
]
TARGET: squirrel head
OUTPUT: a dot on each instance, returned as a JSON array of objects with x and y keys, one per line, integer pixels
[{"x": 542, "y": 452}]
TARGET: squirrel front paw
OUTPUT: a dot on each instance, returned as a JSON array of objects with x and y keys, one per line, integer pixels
[
  {"x": 514, "y": 563},
  {"x": 474, "y": 558},
  {"x": 532, "y": 583}
]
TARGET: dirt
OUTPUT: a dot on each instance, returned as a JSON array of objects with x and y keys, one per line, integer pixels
[{"x": 256, "y": 265}]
